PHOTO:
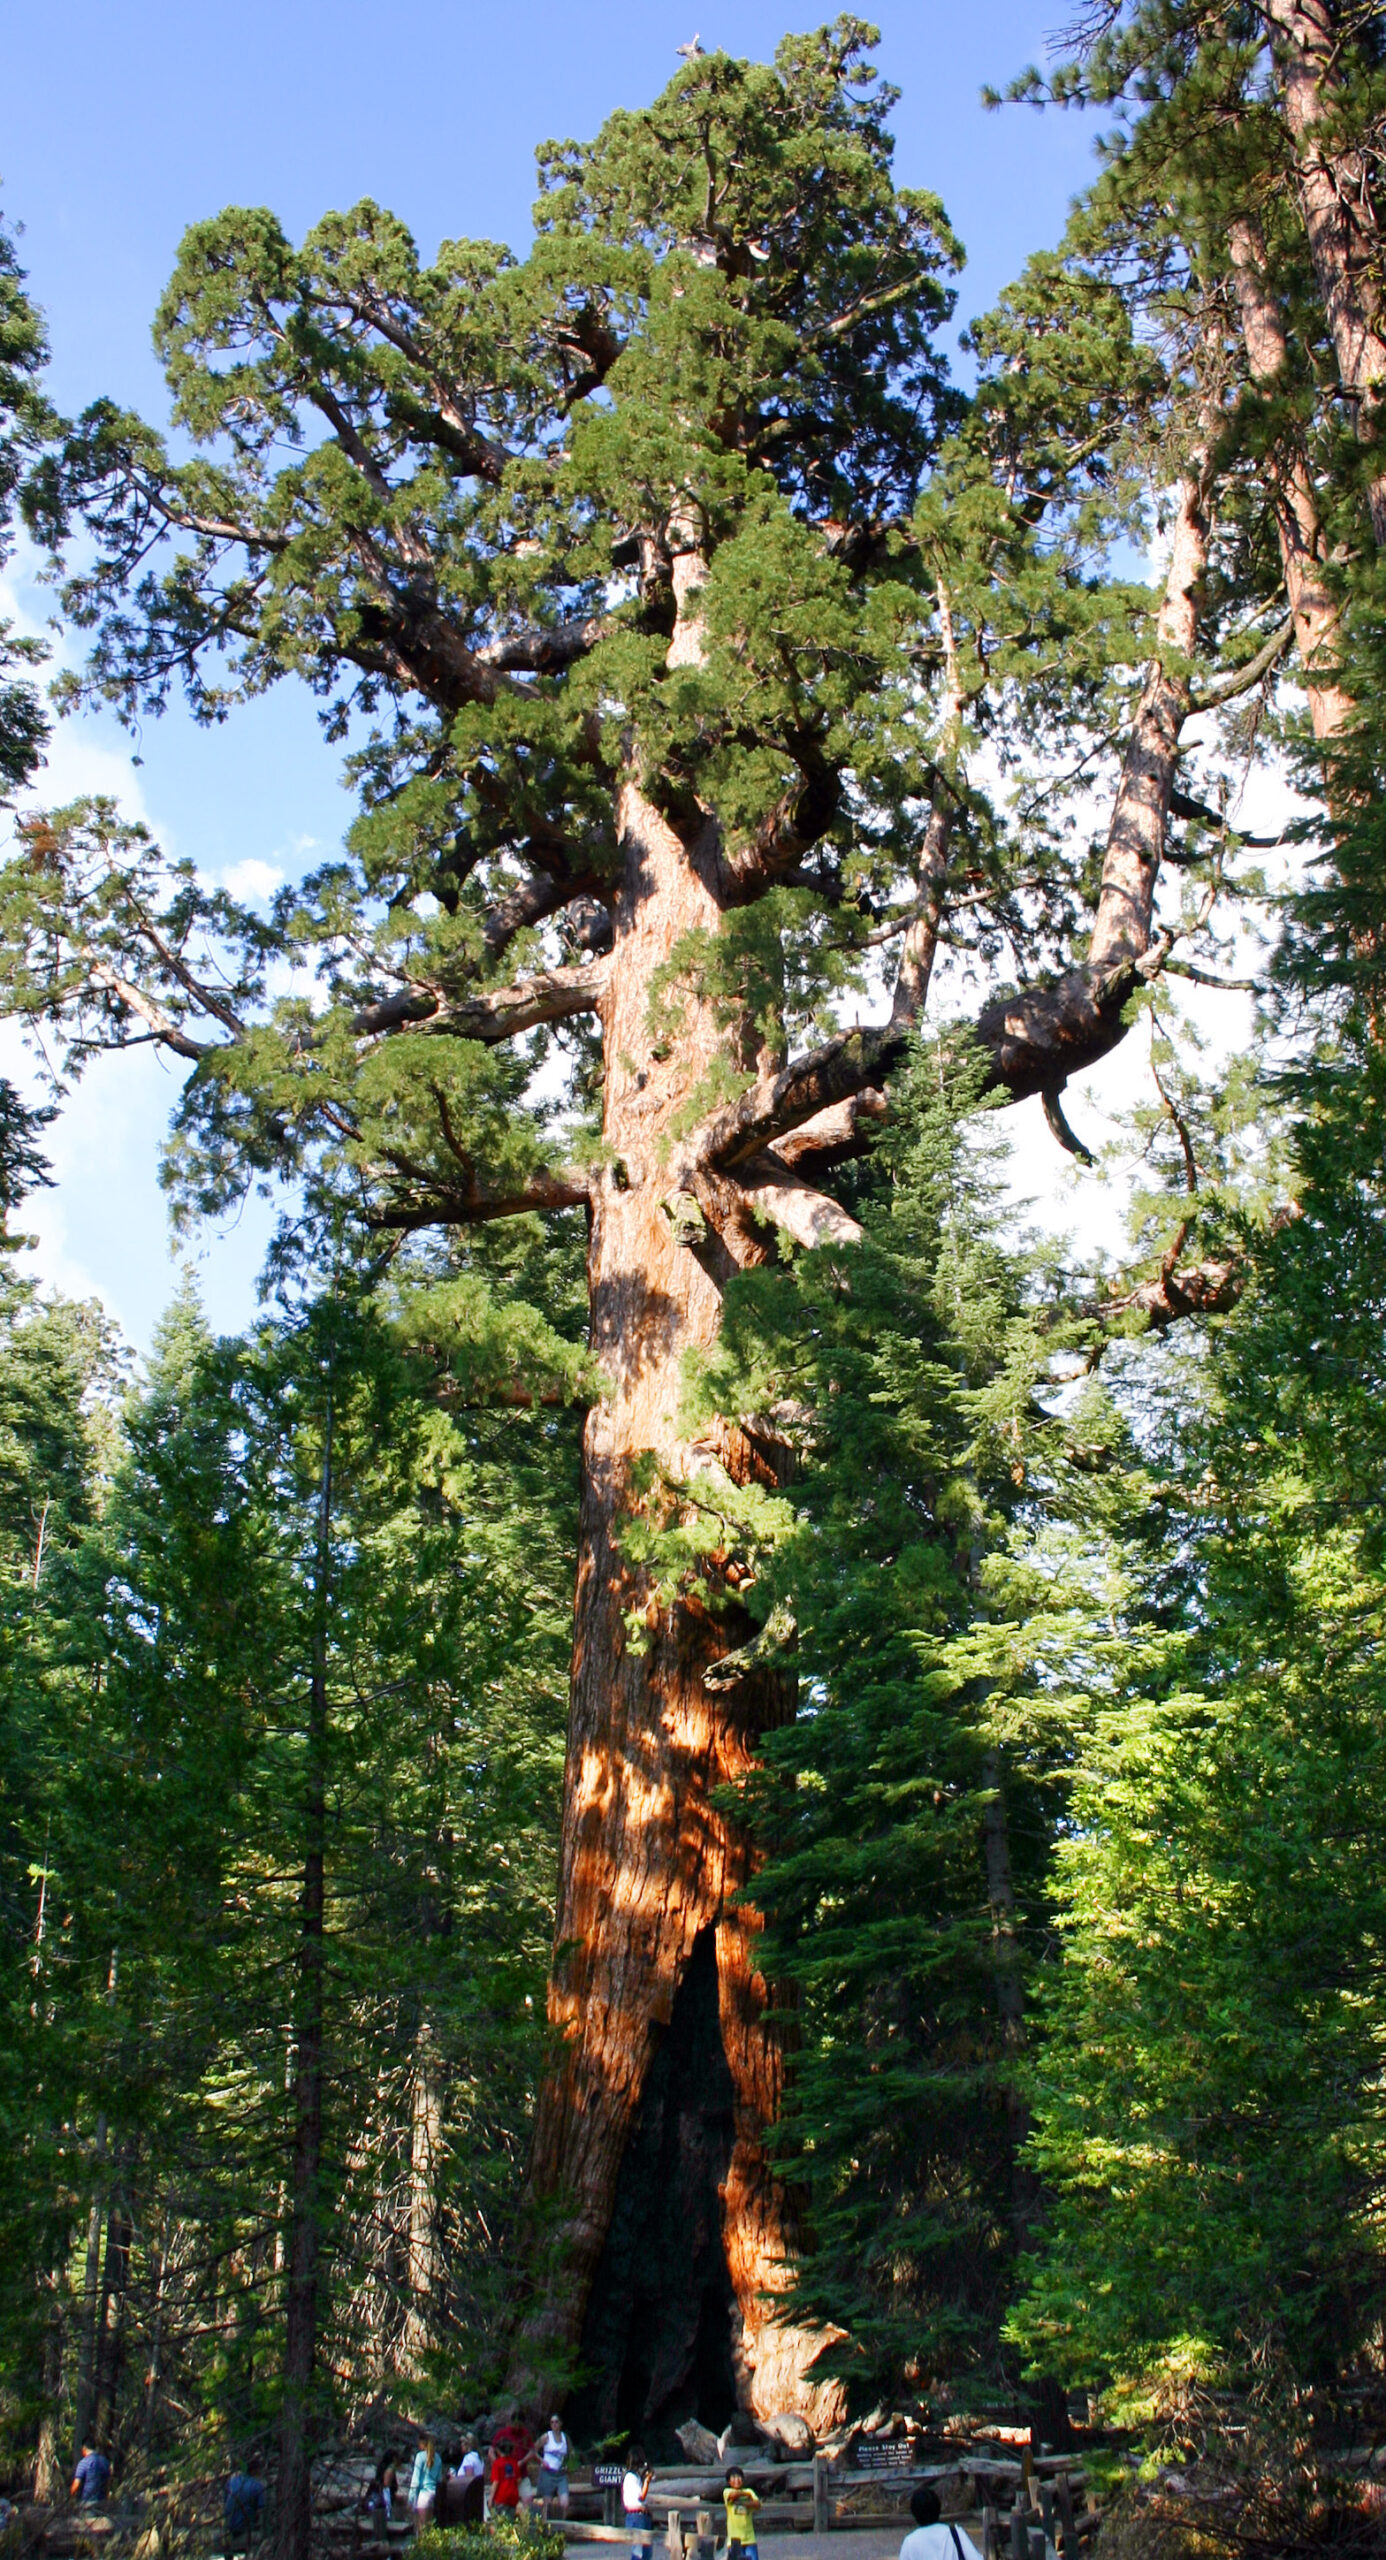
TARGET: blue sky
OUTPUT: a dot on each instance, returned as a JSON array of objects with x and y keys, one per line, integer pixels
[{"x": 121, "y": 124}]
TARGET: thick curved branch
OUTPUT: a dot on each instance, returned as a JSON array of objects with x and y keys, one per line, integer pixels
[
  {"x": 1035, "y": 1036},
  {"x": 162, "y": 1026},
  {"x": 797, "y": 822},
  {"x": 832, "y": 1075},
  {"x": 545, "y": 648},
  {"x": 493, "y": 1014}
]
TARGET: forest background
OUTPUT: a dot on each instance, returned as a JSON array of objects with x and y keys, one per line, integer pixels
[{"x": 1066, "y": 1874}]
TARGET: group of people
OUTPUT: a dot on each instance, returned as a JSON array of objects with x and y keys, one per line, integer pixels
[
  {"x": 739, "y": 2504},
  {"x": 930, "y": 2540},
  {"x": 514, "y": 2472}
]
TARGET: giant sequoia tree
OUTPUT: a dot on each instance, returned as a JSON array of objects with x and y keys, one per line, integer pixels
[{"x": 663, "y": 587}]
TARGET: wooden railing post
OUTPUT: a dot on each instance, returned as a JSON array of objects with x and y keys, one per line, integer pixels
[{"x": 821, "y": 2517}]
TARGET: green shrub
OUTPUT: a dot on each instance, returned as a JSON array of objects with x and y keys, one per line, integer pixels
[{"x": 500, "y": 2538}]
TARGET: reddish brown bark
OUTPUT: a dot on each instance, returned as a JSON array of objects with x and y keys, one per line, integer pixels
[
  {"x": 1339, "y": 217},
  {"x": 648, "y": 1861},
  {"x": 1302, "y": 547}
]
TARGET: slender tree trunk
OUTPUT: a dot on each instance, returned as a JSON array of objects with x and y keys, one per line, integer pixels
[
  {"x": 1335, "y": 186},
  {"x": 84, "y": 2411},
  {"x": 920, "y": 946},
  {"x": 425, "y": 2154},
  {"x": 648, "y": 1861},
  {"x": 110, "y": 2326},
  {"x": 1010, "y": 1987},
  {"x": 1302, "y": 548},
  {"x": 48, "y": 2475},
  {"x": 1046, "y": 2395},
  {"x": 1140, "y": 814},
  {"x": 154, "y": 2371},
  {"x": 294, "y": 2508}
]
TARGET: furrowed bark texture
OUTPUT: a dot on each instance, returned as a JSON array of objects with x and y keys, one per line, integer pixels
[
  {"x": 1302, "y": 548},
  {"x": 1339, "y": 218},
  {"x": 650, "y": 1866},
  {"x": 425, "y": 2157}
]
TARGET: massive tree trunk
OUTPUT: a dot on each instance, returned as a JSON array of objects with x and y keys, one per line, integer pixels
[{"x": 650, "y": 1865}]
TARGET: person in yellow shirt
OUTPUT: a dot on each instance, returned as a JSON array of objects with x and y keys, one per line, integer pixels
[{"x": 741, "y": 2504}]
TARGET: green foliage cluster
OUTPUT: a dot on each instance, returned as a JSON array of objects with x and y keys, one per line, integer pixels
[
  {"x": 1208, "y": 2094},
  {"x": 25, "y": 419}
]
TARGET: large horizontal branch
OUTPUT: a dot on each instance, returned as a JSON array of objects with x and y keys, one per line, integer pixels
[
  {"x": 549, "y": 894},
  {"x": 1036, "y": 1037},
  {"x": 821, "y": 1108},
  {"x": 836, "y": 1135},
  {"x": 835, "y": 1073},
  {"x": 497, "y": 1013},
  {"x": 545, "y": 648},
  {"x": 772, "y": 1192},
  {"x": 471, "y": 1204}
]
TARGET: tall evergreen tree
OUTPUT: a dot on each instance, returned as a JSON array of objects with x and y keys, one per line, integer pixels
[
  {"x": 1208, "y": 2093},
  {"x": 682, "y": 587}
]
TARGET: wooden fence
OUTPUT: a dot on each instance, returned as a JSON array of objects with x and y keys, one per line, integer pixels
[{"x": 1015, "y": 2510}]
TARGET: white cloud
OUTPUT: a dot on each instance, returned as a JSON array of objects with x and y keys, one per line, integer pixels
[
  {"x": 252, "y": 880},
  {"x": 75, "y": 766}
]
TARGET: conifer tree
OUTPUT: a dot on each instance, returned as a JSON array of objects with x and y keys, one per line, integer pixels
[
  {"x": 1207, "y": 2092},
  {"x": 25, "y": 418},
  {"x": 682, "y": 590},
  {"x": 296, "y": 1777}
]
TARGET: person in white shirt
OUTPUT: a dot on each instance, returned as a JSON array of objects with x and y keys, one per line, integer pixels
[
  {"x": 553, "y": 2467},
  {"x": 635, "y": 2489},
  {"x": 472, "y": 2474},
  {"x": 931, "y": 2540}
]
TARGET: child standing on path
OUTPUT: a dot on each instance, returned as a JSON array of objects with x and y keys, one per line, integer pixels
[
  {"x": 635, "y": 2489},
  {"x": 741, "y": 2504}
]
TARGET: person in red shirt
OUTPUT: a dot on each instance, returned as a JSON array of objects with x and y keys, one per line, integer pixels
[{"x": 505, "y": 2475}]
